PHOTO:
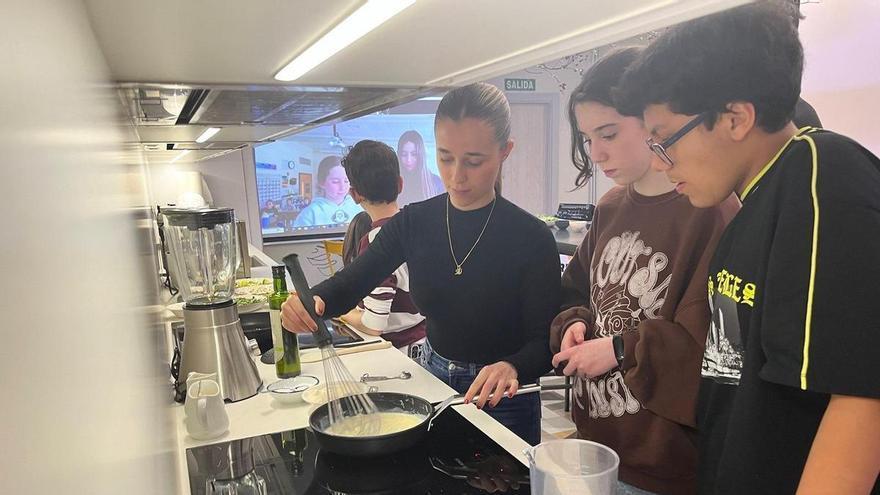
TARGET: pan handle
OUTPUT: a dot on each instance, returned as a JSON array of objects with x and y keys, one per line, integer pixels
[{"x": 459, "y": 399}]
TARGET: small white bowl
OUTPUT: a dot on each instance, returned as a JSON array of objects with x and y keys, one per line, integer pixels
[
  {"x": 577, "y": 225},
  {"x": 290, "y": 390}
]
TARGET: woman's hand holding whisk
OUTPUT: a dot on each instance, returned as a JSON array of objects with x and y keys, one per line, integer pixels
[{"x": 295, "y": 318}]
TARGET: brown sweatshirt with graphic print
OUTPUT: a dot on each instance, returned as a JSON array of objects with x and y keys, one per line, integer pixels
[{"x": 641, "y": 272}]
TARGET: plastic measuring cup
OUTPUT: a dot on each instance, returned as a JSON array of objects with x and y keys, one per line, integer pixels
[{"x": 562, "y": 467}]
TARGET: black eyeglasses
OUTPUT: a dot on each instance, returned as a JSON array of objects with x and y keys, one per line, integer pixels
[{"x": 659, "y": 149}]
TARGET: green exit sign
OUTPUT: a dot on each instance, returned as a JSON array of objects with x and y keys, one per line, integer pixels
[{"x": 519, "y": 85}]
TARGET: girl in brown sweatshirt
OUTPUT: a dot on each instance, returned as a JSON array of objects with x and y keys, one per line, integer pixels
[{"x": 635, "y": 312}]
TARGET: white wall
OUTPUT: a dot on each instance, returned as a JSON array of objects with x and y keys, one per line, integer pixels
[
  {"x": 312, "y": 258},
  {"x": 842, "y": 76},
  {"x": 545, "y": 83},
  {"x": 255, "y": 235},
  {"x": 229, "y": 179},
  {"x": 85, "y": 395}
]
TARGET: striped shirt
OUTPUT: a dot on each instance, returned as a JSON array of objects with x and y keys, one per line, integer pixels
[{"x": 389, "y": 309}]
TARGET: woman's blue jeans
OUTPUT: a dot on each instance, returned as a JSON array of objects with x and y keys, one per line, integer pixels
[{"x": 520, "y": 414}]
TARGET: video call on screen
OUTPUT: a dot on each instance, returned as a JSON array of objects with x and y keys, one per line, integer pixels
[{"x": 303, "y": 190}]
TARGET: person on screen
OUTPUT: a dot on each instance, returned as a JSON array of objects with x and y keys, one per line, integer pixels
[
  {"x": 288, "y": 204},
  {"x": 289, "y": 210},
  {"x": 334, "y": 205},
  {"x": 268, "y": 213},
  {"x": 419, "y": 183}
]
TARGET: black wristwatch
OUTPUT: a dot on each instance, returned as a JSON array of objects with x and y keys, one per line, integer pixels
[{"x": 617, "y": 342}]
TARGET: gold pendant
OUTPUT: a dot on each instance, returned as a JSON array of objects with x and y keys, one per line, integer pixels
[{"x": 458, "y": 270}]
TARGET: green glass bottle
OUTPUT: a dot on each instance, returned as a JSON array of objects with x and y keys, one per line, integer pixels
[{"x": 286, "y": 348}]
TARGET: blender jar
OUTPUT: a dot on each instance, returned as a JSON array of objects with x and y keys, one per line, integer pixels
[{"x": 202, "y": 243}]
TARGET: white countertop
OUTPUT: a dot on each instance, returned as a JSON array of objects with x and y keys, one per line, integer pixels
[{"x": 261, "y": 414}]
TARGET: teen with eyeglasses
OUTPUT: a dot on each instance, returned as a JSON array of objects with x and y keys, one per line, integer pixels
[
  {"x": 790, "y": 396},
  {"x": 635, "y": 311}
]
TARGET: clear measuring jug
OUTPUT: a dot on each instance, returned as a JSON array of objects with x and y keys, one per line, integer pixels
[{"x": 564, "y": 467}]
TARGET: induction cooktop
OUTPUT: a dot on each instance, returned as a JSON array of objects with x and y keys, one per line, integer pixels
[{"x": 455, "y": 458}]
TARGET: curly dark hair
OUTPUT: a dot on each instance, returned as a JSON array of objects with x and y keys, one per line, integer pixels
[
  {"x": 373, "y": 171},
  {"x": 750, "y": 53},
  {"x": 596, "y": 86}
]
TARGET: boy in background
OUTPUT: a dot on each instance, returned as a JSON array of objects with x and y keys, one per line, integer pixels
[{"x": 374, "y": 173}]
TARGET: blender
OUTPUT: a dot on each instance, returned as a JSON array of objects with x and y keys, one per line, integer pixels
[{"x": 202, "y": 246}]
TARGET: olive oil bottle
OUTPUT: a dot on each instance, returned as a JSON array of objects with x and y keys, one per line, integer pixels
[{"x": 284, "y": 343}]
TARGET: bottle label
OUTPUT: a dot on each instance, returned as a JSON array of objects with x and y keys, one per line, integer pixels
[{"x": 277, "y": 334}]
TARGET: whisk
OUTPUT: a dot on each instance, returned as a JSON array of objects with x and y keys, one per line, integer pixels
[{"x": 346, "y": 399}]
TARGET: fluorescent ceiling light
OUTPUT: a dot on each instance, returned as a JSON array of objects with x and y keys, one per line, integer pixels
[
  {"x": 208, "y": 134},
  {"x": 366, "y": 18},
  {"x": 181, "y": 155}
]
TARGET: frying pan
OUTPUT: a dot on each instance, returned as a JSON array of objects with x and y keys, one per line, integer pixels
[{"x": 363, "y": 446}]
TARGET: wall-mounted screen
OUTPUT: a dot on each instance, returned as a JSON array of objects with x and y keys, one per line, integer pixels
[{"x": 302, "y": 188}]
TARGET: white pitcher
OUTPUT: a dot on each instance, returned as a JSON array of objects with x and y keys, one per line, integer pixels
[
  {"x": 195, "y": 376},
  {"x": 205, "y": 410}
]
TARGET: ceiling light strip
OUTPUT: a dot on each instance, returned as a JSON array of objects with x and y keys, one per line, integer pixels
[
  {"x": 208, "y": 134},
  {"x": 179, "y": 156},
  {"x": 366, "y": 18}
]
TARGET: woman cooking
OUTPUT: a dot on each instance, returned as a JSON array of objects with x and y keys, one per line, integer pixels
[{"x": 484, "y": 272}]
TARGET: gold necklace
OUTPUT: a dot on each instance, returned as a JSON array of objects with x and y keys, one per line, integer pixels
[{"x": 449, "y": 235}]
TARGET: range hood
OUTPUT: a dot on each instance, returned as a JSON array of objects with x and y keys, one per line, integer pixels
[{"x": 170, "y": 117}]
